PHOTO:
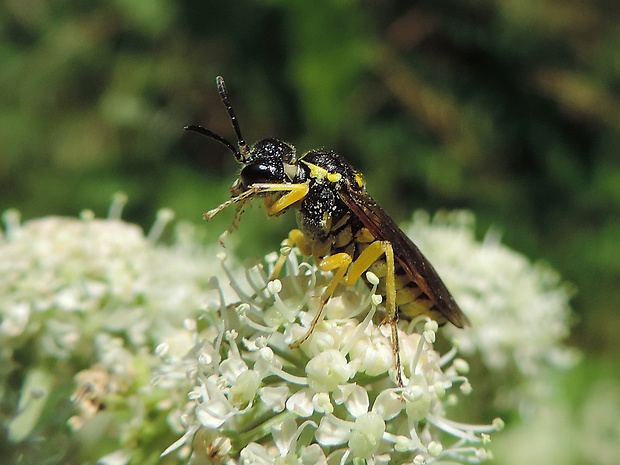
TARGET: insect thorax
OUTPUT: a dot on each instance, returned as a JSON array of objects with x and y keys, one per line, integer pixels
[{"x": 322, "y": 214}]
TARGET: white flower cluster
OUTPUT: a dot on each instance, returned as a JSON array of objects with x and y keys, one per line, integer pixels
[
  {"x": 567, "y": 430},
  {"x": 65, "y": 280},
  {"x": 335, "y": 399},
  {"x": 98, "y": 301},
  {"x": 95, "y": 294},
  {"x": 519, "y": 311}
]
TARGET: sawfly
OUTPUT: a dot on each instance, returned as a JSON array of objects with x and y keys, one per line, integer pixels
[{"x": 340, "y": 225}]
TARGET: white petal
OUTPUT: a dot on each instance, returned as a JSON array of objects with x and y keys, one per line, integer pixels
[
  {"x": 313, "y": 455},
  {"x": 356, "y": 400},
  {"x": 274, "y": 397},
  {"x": 331, "y": 433},
  {"x": 301, "y": 403},
  {"x": 214, "y": 415},
  {"x": 283, "y": 434},
  {"x": 232, "y": 367},
  {"x": 388, "y": 404}
]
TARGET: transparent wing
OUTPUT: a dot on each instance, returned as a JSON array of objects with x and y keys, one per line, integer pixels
[{"x": 406, "y": 253}]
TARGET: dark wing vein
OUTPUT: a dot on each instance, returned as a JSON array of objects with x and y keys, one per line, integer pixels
[{"x": 406, "y": 253}]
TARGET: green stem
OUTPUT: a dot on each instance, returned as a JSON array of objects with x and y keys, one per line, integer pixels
[{"x": 240, "y": 440}]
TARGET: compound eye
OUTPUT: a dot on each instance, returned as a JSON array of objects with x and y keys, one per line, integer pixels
[{"x": 260, "y": 173}]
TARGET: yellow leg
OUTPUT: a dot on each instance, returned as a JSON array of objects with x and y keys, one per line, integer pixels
[
  {"x": 295, "y": 238},
  {"x": 363, "y": 262},
  {"x": 341, "y": 263},
  {"x": 295, "y": 192},
  {"x": 390, "y": 304},
  {"x": 396, "y": 351}
]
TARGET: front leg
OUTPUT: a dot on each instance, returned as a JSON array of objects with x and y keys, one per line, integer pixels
[{"x": 295, "y": 192}]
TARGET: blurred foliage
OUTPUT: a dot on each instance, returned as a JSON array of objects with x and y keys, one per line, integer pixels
[{"x": 510, "y": 108}]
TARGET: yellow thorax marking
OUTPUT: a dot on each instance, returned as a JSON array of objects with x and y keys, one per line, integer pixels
[
  {"x": 359, "y": 178},
  {"x": 321, "y": 173}
]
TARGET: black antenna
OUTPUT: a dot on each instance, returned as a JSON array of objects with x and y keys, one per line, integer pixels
[
  {"x": 217, "y": 137},
  {"x": 240, "y": 152},
  {"x": 221, "y": 85}
]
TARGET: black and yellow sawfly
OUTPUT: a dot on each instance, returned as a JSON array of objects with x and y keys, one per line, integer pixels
[{"x": 340, "y": 225}]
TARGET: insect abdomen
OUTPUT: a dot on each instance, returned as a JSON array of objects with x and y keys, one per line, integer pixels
[{"x": 351, "y": 237}]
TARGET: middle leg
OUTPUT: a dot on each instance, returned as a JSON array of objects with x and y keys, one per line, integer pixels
[{"x": 349, "y": 271}]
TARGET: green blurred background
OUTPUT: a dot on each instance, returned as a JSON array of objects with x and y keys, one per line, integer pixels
[{"x": 510, "y": 108}]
